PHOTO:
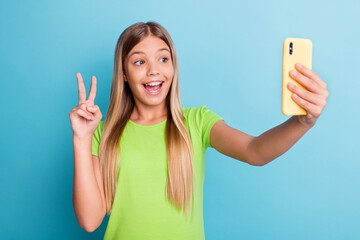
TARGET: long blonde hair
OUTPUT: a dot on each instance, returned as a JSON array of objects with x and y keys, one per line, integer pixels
[{"x": 180, "y": 181}]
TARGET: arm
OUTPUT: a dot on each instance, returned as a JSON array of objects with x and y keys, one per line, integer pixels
[
  {"x": 261, "y": 150},
  {"x": 276, "y": 141},
  {"x": 230, "y": 141},
  {"x": 88, "y": 194}
]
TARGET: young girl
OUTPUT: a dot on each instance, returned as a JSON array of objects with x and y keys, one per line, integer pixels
[{"x": 144, "y": 164}]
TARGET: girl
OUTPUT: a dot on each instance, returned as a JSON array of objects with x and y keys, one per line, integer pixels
[{"x": 144, "y": 164}]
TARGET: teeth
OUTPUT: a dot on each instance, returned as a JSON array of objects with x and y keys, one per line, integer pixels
[{"x": 153, "y": 84}]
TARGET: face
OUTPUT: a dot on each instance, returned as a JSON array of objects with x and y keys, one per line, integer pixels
[{"x": 149, "y": 61}]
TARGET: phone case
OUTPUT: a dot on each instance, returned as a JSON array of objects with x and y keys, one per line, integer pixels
[{"x": 296, "y": 50}]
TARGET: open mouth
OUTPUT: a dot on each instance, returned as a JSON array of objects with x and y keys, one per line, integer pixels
[{"x": 153, "y": 90}]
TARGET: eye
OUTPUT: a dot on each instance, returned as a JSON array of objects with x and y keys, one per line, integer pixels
[
  {"x": 137, "y": 62},
  {"x": 165, "y": 59}
]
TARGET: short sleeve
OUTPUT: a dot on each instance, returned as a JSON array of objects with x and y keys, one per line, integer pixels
[
  {"x": 96, "y": 139},
  {"x": 208, "y": 119}
]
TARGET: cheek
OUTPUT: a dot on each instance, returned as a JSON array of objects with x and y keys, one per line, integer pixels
[
  {"x": 169, "y": 73},
  {"x": 135, "y": 74}
]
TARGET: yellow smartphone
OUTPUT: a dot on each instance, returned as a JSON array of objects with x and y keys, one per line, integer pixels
[{"x": 296, "y": 50}]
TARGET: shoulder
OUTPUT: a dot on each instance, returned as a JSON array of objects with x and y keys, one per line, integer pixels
[
  {"x": 190, "y": 112},
  {"x": 198, "y": 113},
  {"x": 200, "y": 116},
  {"x": 202, "y": 119}
]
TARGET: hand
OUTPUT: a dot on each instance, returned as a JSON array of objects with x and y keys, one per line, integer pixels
[
  {"x": 85, "y": 117},
  {"x": 312, "y": 98}
]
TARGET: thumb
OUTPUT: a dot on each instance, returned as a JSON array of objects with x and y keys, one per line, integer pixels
[{"x": 95, "y": 110}]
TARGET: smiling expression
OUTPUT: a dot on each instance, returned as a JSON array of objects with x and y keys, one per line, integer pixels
[{"x": 148, "y": 61}]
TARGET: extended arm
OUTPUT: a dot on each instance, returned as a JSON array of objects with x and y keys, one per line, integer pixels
[
  {"x": 276, "y": 141},
  {"x": 262, "y": 149}
]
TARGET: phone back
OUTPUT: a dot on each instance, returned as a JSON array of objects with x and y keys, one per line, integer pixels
[{"x": 296, "y": 50}]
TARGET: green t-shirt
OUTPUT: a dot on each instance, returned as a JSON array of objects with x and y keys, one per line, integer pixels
[{"x": 140, "y": 210}]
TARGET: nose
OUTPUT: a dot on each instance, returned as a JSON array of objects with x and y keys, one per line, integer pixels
[{"x": 152, "y": 68}]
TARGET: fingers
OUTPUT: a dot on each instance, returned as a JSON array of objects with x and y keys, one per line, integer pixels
[
  {"x": 95, "y": 110},
  {"x": 83, "y": 103},
  {"x": 304, "y": 81},
  {"x": 92, "y": 109},
  {"x": 81, "y": 86},
  {"x": 82, "y": 113},
  {"x": 308, "y": 83},
  {"x": 307, "y": 95},
  {"x": 312, "y": 103},
  {"x": 311, "y": 109},
  {"x": 310, "y": 74},
  {"x": 92, "y": 93}
]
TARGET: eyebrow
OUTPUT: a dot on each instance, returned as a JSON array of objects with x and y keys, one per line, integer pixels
[{"x": 138, "y": 52}]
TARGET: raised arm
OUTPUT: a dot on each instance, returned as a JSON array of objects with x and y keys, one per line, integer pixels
[{"x": 88, "y": 194}]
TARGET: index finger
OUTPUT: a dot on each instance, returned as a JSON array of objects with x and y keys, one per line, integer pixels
[
  {"x": 310, "y": 74},
  {"x": 81, "y": 86},
  {"x": 92, "y": 93}
]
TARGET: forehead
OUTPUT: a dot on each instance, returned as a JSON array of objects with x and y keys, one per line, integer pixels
[{"x": 149, "y": 45}]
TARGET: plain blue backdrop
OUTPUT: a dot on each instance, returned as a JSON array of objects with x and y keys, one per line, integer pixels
[{"x": 230, "y": 55}]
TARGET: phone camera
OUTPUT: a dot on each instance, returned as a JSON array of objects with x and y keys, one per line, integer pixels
[{"x": 291, "y": 48}]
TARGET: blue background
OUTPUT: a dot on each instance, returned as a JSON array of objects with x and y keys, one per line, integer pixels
[{"x": 230, "y": 55}]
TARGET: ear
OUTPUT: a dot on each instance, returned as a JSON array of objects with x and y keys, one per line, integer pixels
[{"x": 125, "y": 78}]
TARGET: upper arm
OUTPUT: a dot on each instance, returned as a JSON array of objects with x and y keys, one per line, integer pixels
[
  {"x": 96, "y": 164},
  {"x": 231, "y": 142}
]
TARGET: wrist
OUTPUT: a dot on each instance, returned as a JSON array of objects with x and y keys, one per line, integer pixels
[
  {"x": 82, "y": 138},
  {"x": 301, "y": 122}
]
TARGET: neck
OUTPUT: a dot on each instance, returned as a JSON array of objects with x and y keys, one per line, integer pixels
[{"x": 148, "y": 113}]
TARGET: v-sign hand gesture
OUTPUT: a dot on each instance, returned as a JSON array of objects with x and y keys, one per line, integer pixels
[{"x": 85, "y": 117}]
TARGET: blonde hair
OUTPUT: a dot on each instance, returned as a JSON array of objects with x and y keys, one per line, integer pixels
[{"x": 180, "y": 181}]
